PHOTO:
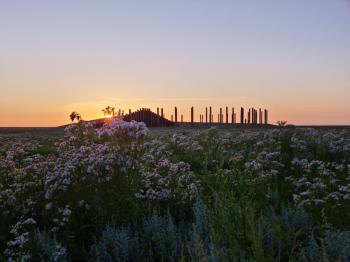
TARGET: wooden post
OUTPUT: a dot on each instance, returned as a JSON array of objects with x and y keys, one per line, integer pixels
[
  {"x": 249, "y": 116},
  {"x": 175, "y": 114},
  {"x": 220, "y": 118},
  {"x": 192, "y": 115},
  {"x": 233, "y": 116},
  {"x": 253, "y": 115},
  {"x": 210, "y": 115},
  {"x": 206, "y": 115},
  {"x": 182, "y": 118},
  {"x": 162, "y": 112},
  {"x": 242, "y": 115}
]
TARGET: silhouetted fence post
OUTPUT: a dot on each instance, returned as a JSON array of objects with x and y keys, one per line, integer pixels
[
  {"x": 232, "y": 115},
  {"x": 242, "y": 115},
  {"x": 249, "y": 116},
  {"x": 192, "y": 115},
  {"x": 210, "y": 116},
  {"x": 206, "y": 115},
  {"x": 220, "y": 117},
  {"x": 175, "y": 114}
]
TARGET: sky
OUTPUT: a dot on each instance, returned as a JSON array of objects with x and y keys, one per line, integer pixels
[{"x": 291, "y": 57}]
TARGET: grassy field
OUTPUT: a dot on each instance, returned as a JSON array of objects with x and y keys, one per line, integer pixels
[
  {"x": 127, "y": 193},
  {"x": 32, "y": 130}
]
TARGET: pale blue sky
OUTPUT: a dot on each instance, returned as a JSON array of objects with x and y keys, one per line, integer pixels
[{"x": 288, "y": 56}]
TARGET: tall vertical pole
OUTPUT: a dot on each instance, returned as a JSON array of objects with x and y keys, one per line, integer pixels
[
  {"x": 206, "y": 115},
  {"x": 192, "y": 115},
  {"x": 254, "y": 115},
  {"x": 232, "y": 115},
  {"x": 220, "y": 118},
  {"x": 175, "y": 115},
  {"x": 242, "y": 115},
  {"x": 210, "y": 115},
  {"x": 249, "y": 116}
]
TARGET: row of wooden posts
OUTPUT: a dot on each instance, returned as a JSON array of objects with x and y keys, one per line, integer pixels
[{"x": 252, "y": 116}]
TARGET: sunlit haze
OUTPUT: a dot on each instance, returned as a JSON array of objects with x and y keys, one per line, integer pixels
[{"x": 290, "y": 57}]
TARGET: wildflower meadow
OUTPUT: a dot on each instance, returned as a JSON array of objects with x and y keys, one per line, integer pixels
[{"x": 123, "y": 192}]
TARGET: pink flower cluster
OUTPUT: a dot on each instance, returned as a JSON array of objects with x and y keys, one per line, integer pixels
[
  {"x": 168, "y": 181},
  {"x": 119, "y": 127}
]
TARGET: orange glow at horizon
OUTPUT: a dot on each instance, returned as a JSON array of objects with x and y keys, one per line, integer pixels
[
  {"x": 298, "y": 116},
  {"x": 59, "y": 58}
]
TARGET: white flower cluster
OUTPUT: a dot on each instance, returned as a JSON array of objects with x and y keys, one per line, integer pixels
[
  {"x": 62, "y": 219},
  {"x": 265, "y": 165},
  {"x": 168, "y": 181},
  {"x": 96, "y": 162},
  {"x": 317, "y": 182},
  {"x": 16, "y": 248},
  {"x": 118, "y": 127}
]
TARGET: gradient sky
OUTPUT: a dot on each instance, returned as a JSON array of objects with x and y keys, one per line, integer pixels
[{"x": 291, "y": 57}]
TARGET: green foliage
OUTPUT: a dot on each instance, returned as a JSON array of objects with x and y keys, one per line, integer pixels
[
  {"x": 157, "y": 238},
  {"x": 333, "y": 246},
  {"x": 48, "y": 249}
]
